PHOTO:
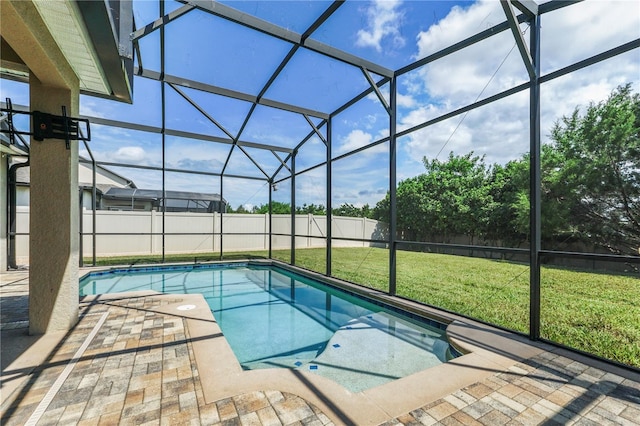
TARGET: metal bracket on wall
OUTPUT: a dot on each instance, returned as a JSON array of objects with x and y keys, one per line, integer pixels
[{"x": 49, "y": 126}]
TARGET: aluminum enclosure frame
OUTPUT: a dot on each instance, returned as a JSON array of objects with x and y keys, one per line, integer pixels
[{"x": 532, "y": 14}]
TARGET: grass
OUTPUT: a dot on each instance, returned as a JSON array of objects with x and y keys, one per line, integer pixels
[{"x": 590, "y": 311}]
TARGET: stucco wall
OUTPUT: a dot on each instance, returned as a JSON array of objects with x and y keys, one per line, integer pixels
[{"x": 3, "y": 210}]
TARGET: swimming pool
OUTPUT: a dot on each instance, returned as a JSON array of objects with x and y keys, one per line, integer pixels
[{"x": 275, "y": 318}]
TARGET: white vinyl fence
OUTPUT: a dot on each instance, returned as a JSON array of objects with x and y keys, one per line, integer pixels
[{"x": 130, "y": 232}]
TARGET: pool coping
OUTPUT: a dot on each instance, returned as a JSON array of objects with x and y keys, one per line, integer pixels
[{"x": 487, "y": 350}]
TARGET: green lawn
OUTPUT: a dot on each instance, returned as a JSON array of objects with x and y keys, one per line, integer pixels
[{"x": 594, "y": 312}]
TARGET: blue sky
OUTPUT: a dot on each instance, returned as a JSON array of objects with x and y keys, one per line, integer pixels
[{"x": 392, "y": 33}]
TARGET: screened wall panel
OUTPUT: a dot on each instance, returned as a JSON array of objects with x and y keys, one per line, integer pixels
[
  {"x": 273, "y": 126},
  {"x": 311, "y": 153},
  {"x": 360, "y": 180},
  {"x": 493, "y": 291},
  {"x": 591, "y": 305},
  {"x": 589, "y": 161},
  {"x": 194, "y": 59},
  {"x": 610, "y": 24},
  {"x": 124, "y": 146},
  {"x": 360, "y": 125},
  {"x": 195, "y": 155},
  {"x": 242, "y": 195},
  {"x": 433, "y": 189},
  {"x": 146, "y": 108},
  {"x": 367, "y": 266}
]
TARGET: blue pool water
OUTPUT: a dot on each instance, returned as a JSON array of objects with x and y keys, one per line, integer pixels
[{"x": 275, "y": 318}]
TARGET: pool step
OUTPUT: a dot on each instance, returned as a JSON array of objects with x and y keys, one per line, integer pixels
[{"x": 375, "y": 349}]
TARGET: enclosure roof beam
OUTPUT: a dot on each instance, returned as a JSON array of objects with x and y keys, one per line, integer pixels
[
  {"x": 312, "y": 28},
  {"x": 216, "y": 90},
  {"x": 496, "y": 29},
  {"x": 517, "y": 34},
  {"x": 321, "y": 19},
  {"x": 183, "y": 134},
  {"x": 375, "y": 88},
  {"x": 277, "y": 72},
  {"x": 252, "y": 160},
  {"x": 248, "y": 144},
  {"x": 268, "y": 28},
  {"x": 550, "y": 6},
  {"x": 292, "y": 108},
  {"x": 160, "y": 22},
  {"x": 202, "y": 111},
  {"x": 191, "y": 172},
  {"x": 260, "y": 98},
  {"x": 315, "y": 129},
  {"x": 245, "y": 19},
  {"x": 281, "y": 161},
  {"x": 347, "y": 58},
  {"x": 528, "y": 7}
]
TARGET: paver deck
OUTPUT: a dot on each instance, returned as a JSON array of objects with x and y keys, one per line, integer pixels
[{"x": 138, "y": 365}]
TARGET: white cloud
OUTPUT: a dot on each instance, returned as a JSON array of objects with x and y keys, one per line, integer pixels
[
  {"x": 89, "y": 107},
  {"x": 130, "y": 154},
  {"x": 402, "y": 100},
  {"x": 310, "y": 187},
  {"x": 483, "y": 69},
  {"x": 195, "y": 155},
  {"x": 383, "y": 22},
  {"x": 355, "y": 139},
  {"x": 405, "y": 101},
  {"x": 360, "y": 179},
  {"x": 501, "y": 129},
  {"x": 459, "y": 24},
  {"x": 577, "y": 32},
  {"x": 243, "y": 192}
]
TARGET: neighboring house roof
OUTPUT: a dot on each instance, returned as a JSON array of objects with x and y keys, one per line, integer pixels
[
  {"x": 106, "y": 174},
  {"x": 105, "y": 178},
  {"x": 22, "y": 175},
  {"x": 155, "y": 194},
  {"x": 101, "y": 188},
  {"x": 175, "y": 201}
]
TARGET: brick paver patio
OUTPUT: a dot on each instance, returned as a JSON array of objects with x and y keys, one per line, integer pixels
[{"x": 139, "y": 368}]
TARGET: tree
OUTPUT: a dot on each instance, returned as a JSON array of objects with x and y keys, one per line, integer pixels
[
  {"x": 508, "y": 214},
  {"x": 509, "y": 217},
  {"x": 240, "y": 209},
  {"x": 311, "y": 209},
  {"x": 413, "y": 215},
  {"x": 381, "y": 210},
  {"x": 277, "y": 207},
  {"x": 366, "y": 211},
  {"x": 450, "y": 199},
  {"x": 600, "y": 161},
  {"x": 459, "y": 195},
  {"x": 350, "y": 210},
  {"x": 590, "y": 187}
]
